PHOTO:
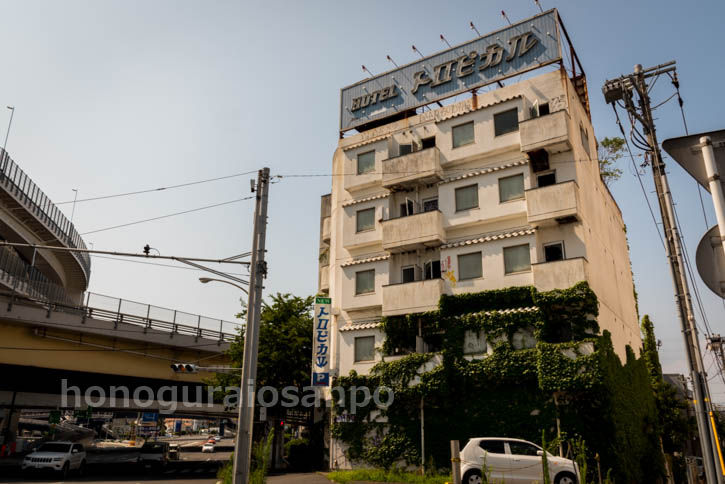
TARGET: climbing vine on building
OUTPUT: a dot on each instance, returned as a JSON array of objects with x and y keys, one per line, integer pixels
[{"x": 511, "y": 391}]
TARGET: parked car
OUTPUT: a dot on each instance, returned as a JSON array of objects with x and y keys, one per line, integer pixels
[
  {"x": 57, "y": 456},
  {"x": 208, "y": 447},
  {"x": 211, "y": 441},
  {"x": 217, "y": 438},
  {"x": 154, "y": 454},
  {"x": 512, "y": 461},
  {"x": 174, "y": 452}
]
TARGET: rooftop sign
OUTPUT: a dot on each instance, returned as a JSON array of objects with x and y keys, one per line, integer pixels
[{"x": 521, "y": 47}]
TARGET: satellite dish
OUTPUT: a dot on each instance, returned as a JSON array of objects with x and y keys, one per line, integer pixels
[{"x": 710, "y": 261}]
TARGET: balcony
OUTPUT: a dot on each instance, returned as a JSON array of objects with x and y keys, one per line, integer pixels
[
  {"x": 560, "y": 274},
  {"x": 553, "y": 204},
  {"x": 326, "y": 229},
  {"x": 416, "y": 231},
  {"x": 413, "y": 168},
  {"x": 550, "y": 131},
  {"x": 324, "y": 279},
  {"x": 412, "y": 297},
  {"x": 36, "y": 211}
]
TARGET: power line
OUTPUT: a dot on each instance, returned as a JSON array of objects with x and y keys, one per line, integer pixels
[
  {"x": 170, "y": 187},
  {"x": 160, "y": 265},
  {"x": 166, "y": 216}
]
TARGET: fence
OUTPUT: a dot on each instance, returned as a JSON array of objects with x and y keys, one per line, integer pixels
[
  {"x": 24, "y": 279},
  {"x": 15, "y": 181},
  {"x": 99, "y": 306}
]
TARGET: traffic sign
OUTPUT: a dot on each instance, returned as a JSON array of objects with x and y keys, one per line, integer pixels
[
  {"x": 710, "y": 261},
  {"x": 687, "y": 151}
]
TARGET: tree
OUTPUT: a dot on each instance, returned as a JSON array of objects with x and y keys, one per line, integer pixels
[
  {"x": 285, "y": 344},
  {"x": 610, "y": 150}
]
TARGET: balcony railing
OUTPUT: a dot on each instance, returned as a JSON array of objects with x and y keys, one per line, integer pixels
[
  {"x": 550, "y": 131},
  {"x": 412, "y": 297},
  {"x": 558, "y": 203},
  {"x": 419, "y": 230},
  {"x": 560, "y": 274},
  {"x": 14, "y": 180},
  {"x": 23, "y": 279},
  {"x": 417, "y": 167}
]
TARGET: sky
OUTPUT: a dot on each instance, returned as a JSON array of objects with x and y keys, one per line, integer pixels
[{"x": 119, "y": 96}]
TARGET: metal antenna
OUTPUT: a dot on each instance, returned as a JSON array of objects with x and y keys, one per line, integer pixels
[
  {"x": 365, "y": 69},
  {"x": 473, "y": 27},
  {"x": 446, "y": 41},
  {"x": 419, "y": 53},
  {"x": 504, "y": 16},
  {"x": 539, "y": 5},
  {"x": 391, "y": 60}
]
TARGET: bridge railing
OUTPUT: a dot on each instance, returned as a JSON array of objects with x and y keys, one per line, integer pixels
[
  {"x": 14, "y": 180},
  {"x": 24, "y": 279},
  {"x": 99, "y": 306}
]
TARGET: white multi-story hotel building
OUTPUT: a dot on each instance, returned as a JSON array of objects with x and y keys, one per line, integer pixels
[{"x": 501, "y": 189}]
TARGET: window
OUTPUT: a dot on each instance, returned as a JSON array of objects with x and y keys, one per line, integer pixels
[
  {"x": 428, "y": 143},
  {"x": 365, "y": 162},
  {"x": 430, "y": 204},
  {"x": 469, "y": 266},
  {"x": 466, "y": 197},
  {"x": 585, "y": 139},
  {"x": 407, "y": 208},
  {"x": 432, "y": 270},
  {"x": 554, "y": 252},
  {"x": 546, "y": 179},
  {"x": 405, "y": 149},
  {"x": 511, "y": 188},
  {"x": 516, "y": 258},
  {"x": 365, "y": 220},
  {"x": 365, "y": 282},
  {"x": 408, "y": 274},
  {"x": 365, "y": 348},
  {"x": 506, "y": 122},
  {"x": 493, "y": 446},
  {"x": 462, "y": 134},
  {"x": 539, "y": 109},
  {"x": 523, "y": 448}
]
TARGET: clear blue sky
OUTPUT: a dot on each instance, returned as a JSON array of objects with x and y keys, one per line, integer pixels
[{"x": 118, "y": 96}]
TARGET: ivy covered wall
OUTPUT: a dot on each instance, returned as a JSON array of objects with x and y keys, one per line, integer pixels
[{"x": 509, "y": 392}]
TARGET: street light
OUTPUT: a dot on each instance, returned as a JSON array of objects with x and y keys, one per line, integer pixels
[{"x": 205, "y": 280}]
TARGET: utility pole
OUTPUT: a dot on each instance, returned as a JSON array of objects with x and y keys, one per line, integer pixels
[
  {"x": 258, "y": 271},
  {"x": 621, "y": 89}
]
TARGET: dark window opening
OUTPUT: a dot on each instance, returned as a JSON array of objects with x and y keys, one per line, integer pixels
[
  {"x": 544, "y": 109},
  {"x": 546, "y": 179},
  {"x": 432, "y": 270},
  {"x": 428, "y": 142},
  {"x": 430, "y": 205},
  {"x": 506, "y": 122},
  {"x": 539, "y": 160},
  {"x": 554, "y": 252},
  {"x": 408, "y": 274},
  {"x": 405, "y": 149},
  {"x": 407, "y": 208}
]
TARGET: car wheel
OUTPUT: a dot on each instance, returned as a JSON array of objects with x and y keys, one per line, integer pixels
[
  {"x": 472, "y": 477},
  {"x": 82, "y": 468},
  {"x": 64, "y": 470},
  {"x": 565, "y": 478}
]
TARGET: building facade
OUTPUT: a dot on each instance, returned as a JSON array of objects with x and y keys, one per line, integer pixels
[{"x": 500, "y": 189}]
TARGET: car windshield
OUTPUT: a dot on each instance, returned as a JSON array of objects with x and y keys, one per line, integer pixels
[
  {"x": 152, "y": 447},
  {"x": 54, "y": 448}
]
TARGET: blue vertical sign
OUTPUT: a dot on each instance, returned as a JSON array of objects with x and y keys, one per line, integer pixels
[{"x": 321, "y": 342}]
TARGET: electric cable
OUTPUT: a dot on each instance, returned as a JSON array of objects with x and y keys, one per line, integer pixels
[
  {"x": 170, "y": 187},
  {"x": 117, "y": 259},
  {"x": 166, "y": 216}
]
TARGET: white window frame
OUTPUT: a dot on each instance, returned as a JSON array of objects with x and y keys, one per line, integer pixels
[{"x": 402, "y": 270}]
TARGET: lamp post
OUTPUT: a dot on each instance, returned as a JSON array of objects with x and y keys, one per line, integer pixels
[{"x": 205, "y": 280}]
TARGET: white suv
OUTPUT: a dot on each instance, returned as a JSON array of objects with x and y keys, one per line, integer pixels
[
  {"x": 56, "y": 456},
  {"x": 512, "y": 461}
]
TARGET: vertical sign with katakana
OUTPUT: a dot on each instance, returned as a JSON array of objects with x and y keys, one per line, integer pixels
[{"x": 321, "y": 342}]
